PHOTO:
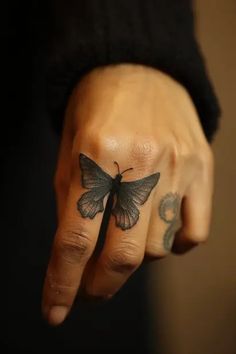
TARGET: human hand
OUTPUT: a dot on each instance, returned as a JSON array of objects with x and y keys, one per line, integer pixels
[{"x": 144, "y": 120}]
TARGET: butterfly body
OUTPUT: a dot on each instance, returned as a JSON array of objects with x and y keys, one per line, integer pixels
[
  {"x": 116, "y": 182},
  {"x": 128, "y": 194}
]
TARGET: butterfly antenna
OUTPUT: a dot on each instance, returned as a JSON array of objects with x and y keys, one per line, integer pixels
[
  {"x": 118, "y": 167},
  {"x": 128, "y": 169}
]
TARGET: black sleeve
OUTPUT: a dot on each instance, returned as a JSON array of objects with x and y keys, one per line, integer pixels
[{"x": 157, "y": 33}]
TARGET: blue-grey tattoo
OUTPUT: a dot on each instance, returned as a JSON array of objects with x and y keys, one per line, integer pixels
[{"x": 169, "y": 208}]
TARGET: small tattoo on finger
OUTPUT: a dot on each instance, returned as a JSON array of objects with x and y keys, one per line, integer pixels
[
  {"x": 169, "y": 209},
  {"x": 128, "y": 196}
]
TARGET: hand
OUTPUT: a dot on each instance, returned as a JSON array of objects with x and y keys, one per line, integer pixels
[{"x": 144, "y": 120}]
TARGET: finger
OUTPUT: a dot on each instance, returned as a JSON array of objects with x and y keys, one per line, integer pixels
[
  {"x": 74, "y": 243},
  {"x": 122, "y": 254},
  {"x": 196, "y": 213},
  {"x": 164, "y": 222}
]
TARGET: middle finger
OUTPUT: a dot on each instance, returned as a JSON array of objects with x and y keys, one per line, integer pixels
[{"x": 121, "y": 255}]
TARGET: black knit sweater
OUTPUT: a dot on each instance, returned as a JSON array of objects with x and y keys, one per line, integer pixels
[{"x": 157, "y": 33}]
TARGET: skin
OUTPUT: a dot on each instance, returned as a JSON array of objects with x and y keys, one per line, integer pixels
[{"x": 143, "y": 119}]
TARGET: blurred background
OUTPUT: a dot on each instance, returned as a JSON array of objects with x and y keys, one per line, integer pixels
[{"x": 194, "y": 297}]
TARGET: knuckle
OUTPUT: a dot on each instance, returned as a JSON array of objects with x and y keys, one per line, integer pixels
[
  {"x": 93, "y": 138},
  {"x": 97, "y": 140},
  {"x": 179, "y": 149},
  {"x": 176, "y": 151},
  {"x": 123, "y": 259},
  {"x": 121, "y": 262},
  {"x": 145, "y": 149},
  {"x": 74, "y": 246},
  {"x": 174, "y": 156}
]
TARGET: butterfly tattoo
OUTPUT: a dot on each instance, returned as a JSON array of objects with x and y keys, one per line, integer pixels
[{"x": 128, "y": 195}]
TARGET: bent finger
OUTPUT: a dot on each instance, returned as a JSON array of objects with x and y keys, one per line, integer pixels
[
  {"x": 123, "y": 251},
  {"x": 74, "y": 243},
  {"x": 196, "y": 213}
]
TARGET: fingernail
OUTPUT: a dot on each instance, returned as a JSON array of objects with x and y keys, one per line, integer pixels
[{"x": 57, "y": 315}]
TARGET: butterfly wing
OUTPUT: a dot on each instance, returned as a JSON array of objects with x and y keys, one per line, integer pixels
[
  {"x": 125, "y": 212},
  {"x": 99, "y": 184},
  {"x": 129, "y": 196},
  {"x": 92, "y": 175},
  {"x": 91, "y": 202}
]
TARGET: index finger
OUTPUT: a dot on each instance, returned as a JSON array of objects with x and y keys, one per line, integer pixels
[{"x": 74, "y": 243}]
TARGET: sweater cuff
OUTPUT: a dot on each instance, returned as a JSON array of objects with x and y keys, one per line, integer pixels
[{"x": 156, "y": 33}]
